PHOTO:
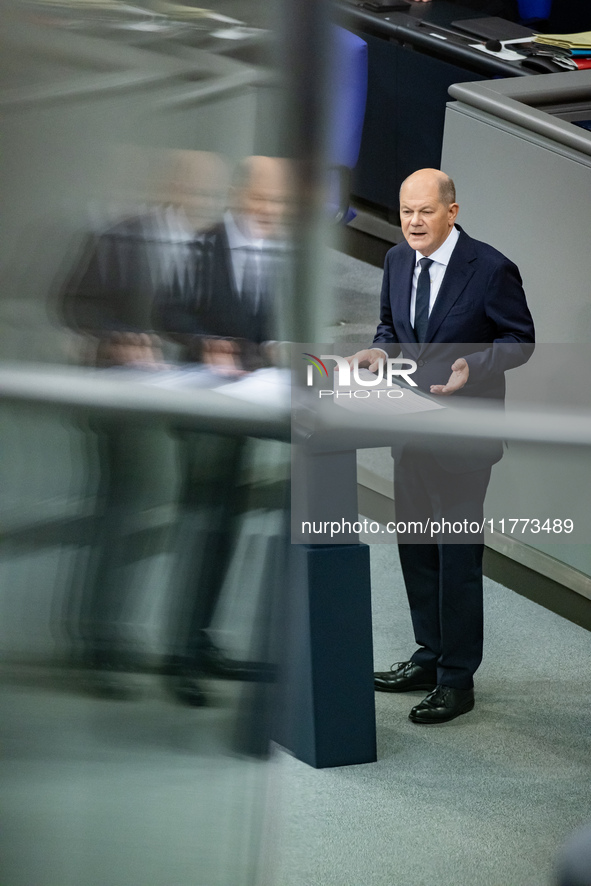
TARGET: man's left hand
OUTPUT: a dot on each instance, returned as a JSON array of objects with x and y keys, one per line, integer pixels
[{"x": 458, "y": 378}]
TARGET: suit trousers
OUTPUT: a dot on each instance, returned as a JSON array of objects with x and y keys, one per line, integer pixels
[
  {"x": 205, "y": 535},
  {"x": 442, "y": 562}
]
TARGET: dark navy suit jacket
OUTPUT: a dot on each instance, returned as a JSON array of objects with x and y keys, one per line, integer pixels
[
  {"x": 480, "y": 313},
  {"x": 211, "y": 305}
]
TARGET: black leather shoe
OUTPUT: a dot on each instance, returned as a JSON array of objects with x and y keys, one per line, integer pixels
[
  {"x": 188, "y": 690},
  {"x": 403, "y": 677},
  {"x": 213, "y": 662},
  {"x": 443, "y": 704},
  {"x": 107, "y": 684}
]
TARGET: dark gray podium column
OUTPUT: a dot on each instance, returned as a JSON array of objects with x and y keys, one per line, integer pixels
[
  {"x": 329, "y": 710},
  {"x": 328, "y": 716}
]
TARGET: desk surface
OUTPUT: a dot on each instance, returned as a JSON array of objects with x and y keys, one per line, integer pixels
[{"x": 409, "y": 28}]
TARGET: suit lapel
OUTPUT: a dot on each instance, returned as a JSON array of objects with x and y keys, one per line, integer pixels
[
  {"x": 404, "y": 330},
  {"x": 459, "y": 271}
]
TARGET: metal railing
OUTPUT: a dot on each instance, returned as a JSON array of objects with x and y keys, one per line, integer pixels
[{"x": 213, "y": 411}]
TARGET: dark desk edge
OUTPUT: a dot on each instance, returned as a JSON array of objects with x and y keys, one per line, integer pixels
[{"x": 403, "y": 28}]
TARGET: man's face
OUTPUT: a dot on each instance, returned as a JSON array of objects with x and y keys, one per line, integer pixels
[
  {"x": 264, "y": 207},
  {"x": 262, "y": 204},
  {"x": 197, "y": 184},
  {"x": 426, "y": 221}
]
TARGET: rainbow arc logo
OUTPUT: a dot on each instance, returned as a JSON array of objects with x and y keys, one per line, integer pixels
[{"x": 314, "y": 363}]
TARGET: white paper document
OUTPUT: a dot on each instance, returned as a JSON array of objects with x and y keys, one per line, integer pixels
[
  {"x": 364, "y": 398},
  {"x": 266, "y": 386}
]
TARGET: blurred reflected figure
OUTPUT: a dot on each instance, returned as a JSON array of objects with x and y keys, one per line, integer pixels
[
  {"x": 110, "y": 295},
  {"x": 210, "y": 283},
  {"x": 109, "y": 299},
  {"x": 224, "y": 316},
  {"x": 226, "y": 312}
]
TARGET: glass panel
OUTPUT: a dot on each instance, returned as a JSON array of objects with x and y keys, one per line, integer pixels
[{"x": 147, "y": 239}]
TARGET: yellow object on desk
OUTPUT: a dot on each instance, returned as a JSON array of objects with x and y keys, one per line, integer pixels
[{"x": 566, "y": 41}]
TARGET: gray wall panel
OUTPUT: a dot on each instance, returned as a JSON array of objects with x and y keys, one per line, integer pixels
[{"x": 529, "y": 198}]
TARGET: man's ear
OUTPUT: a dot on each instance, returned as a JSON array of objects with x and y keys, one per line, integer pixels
[{"x": 453, "y": 212}]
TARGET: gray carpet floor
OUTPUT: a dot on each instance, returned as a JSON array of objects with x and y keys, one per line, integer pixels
[
  {"x": 356, "y": 299},
  {"x": 485, "y": 800}
]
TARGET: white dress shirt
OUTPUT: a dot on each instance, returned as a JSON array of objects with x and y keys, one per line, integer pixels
[
  {"x": 241, "y": 246},
  {"x": 440, "y": 259},
  {"x": 172, "y": 255}
]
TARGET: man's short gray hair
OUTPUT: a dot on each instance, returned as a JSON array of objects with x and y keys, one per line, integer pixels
[{"x": 447, "y": 190}]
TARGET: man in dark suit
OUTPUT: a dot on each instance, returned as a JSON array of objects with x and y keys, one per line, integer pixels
[
  {"x": 450, "y": 303},
  {"x": 223, "y": 313},
  {"x": 108, "y": 298},
  {"x": 208, "y": 287},
  {"x": 226, "y": 310}
]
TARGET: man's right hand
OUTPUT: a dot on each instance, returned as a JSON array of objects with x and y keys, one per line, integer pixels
[
  {"x": 222, "y": 355},
  {"x": 368, "y": 358}
]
